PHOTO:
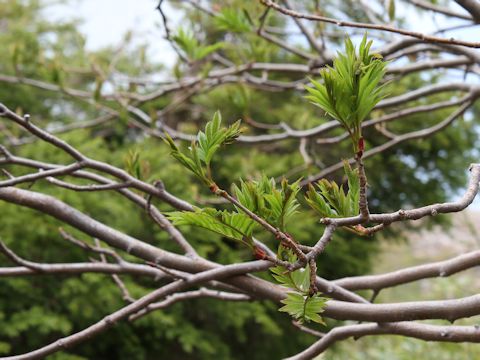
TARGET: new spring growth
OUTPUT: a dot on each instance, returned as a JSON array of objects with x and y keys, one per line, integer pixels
[{"x": 351, "y": 88}]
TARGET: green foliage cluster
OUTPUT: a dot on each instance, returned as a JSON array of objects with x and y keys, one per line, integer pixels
[
  {"x": 191, "y": 47},
  {"x": 348, "y": 94},
  {"x": 202, "y": 150},
  {"x": 301, "y": 305},
  {"x": 232, "y": 20},
  {"x": 330, "y": 200},
  {"x": 350, "y": 88},
  {"x": 262, "y": 199}
]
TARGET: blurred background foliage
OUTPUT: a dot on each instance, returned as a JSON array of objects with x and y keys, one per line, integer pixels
[{"x": 39, "y": 309}]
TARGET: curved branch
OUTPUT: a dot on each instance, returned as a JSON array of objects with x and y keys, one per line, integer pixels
[
  {"x": 403, "y": 276},
  {"x": 58, "y": 209},
  {"x": 419, "y": 331},
  {"x": 439, "y": 9},
  {"x": 472, "y": 6},
  {"x": 87, "y": 162},
  {"x": 418, "y": 213},
  {"x": 450, "y": 310},
  {"x": 110, "y": 320},
  {"x": 81, "y": 268},
  {"x": 195, "y": 294},
  {"x": 63, "y": 212},
  {"x": 418, "y": 35}
]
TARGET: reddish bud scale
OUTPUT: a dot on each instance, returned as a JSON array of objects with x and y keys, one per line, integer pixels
[
  {"x": 259, "y": 253},
  {"x": 214, "y": 188},
  {"x": 360, "y": 229},
  {"x": 361, "y": 147},
  {"x": 361, "y": 144}
]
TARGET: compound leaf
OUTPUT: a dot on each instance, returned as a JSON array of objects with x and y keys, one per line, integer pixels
[{"x": 231, "y": 225}]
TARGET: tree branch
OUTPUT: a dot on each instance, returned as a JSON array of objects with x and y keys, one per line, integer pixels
[{"x": 418, "y": 35}]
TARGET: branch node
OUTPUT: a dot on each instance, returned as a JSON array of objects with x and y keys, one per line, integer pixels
[
  {"x": 159, "y": 185},
  {"x": 61, "y": 343},
  {"x": 108, "y": 319},
  {"x": 4, "y": 151},
  {"x": 130, "y": 248},
  {"x": 3, "y": 110}
]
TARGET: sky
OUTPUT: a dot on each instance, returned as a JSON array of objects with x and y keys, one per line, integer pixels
[{"x": 105, "y": 22}]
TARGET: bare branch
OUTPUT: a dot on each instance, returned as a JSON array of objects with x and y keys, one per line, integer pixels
[
  {"x": 439, "y": 9},
  {"x": 195, "y": 294},
  {"x": 63, "y": 170},
  {"x": 472, "y": 6},
  {"x": 450, "y": 310},
  {"x": 419, "y": 331},
  {"x": 31, "y": 268},
  {"x": 90, "y": 187},
  {"x": 307, "y": 330},
  {"x": 423, "y": 37},
  {"x": 80, "y": 268},
  {"x": 415, "y": 273},
  {"x": 110, "y": 320}
]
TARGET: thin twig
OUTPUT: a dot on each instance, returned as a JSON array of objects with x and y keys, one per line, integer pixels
[{"x": 418, "y": 35}]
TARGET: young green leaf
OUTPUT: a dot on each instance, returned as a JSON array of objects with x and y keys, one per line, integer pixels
[
  {"x": 251, "y": 195},
  {"x": 391, "y": 9},
  {"x": 135, "y": 166},
  {"x": 283, "y": 203},
  {"x": 186, "y": 161},
  {"x": 215, "y": 136},
  {"x": 202, "y": 150},
  {"x": 230, "y": 19},
  {"x": 350, "y": 88},
  {"x": 187, "y": 42},
  {"x": 97, "y": 94},
  {"x": 262, "y": 197},
  {"x": 298, "y": 280},
  {"x": 203, "y": 51},
  {"x": 330, "y": 200},
  {"x": 231, "y": 225},
  {"x": 315, "y": 305},
  {"x": 353, "y": 187},
  {"x": 304, "y": 308},
  {"x": 294, "y": 304},
  {"x": 318, "y": 203}
]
